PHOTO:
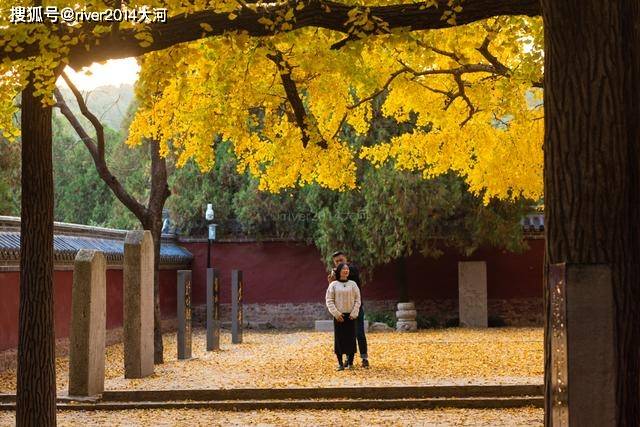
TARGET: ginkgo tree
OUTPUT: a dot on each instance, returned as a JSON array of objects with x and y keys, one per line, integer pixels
[
  {"x": 478, "y": 112},
  {"x": 591, "y": 132}
]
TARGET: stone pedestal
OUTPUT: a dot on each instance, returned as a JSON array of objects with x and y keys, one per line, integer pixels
[
  {"x": 406, "y": 316},
  {"x": 583, "y": 362},
  {"x": 236, "y": 306},
  {"x": 472, "y": 294},
  {"x": 88, "y": 324},
  {"x": 138, "y": 304},
  {"x": 213, "y": 309},
  {"x": 184, "y": 314}
]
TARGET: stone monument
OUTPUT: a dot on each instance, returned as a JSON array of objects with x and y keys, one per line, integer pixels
[
  {"x": 184, "y": 314},
  {"x": 236, "y": 306},
  {"x": 213, "y": 309},
  {"x": 472, "y": 294},
  {"x": 406, "y": 317},
  {"x": 88, "y": 324},
  {"x": 138, "y": 304},
  {"x": 583, "y": 361}
]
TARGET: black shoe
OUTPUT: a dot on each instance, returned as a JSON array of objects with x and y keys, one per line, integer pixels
[
  {"x": 365, "y": 363},
  {"x": 350, "y": 367},
  {"x": 340, "y": 368}
]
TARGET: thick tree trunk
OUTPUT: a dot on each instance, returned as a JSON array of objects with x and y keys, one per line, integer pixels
[
  {"x": 154, "y": 224},
  {"x": 591, "y": 164},
  {"x": 36, "y": 394},
  {"x": 402, "y": 281}
]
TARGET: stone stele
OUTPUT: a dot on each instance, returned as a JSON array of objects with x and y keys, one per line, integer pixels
[
  {"x": 138, "y": 304},
  {"x": 472, "y": 292},
  {"x": 88, "y": 323}
]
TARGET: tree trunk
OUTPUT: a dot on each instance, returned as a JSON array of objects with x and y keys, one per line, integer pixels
[
  {"x": 36, "y": 392},
  {"x": 154, "y": 224},
  {"x": 401, "y": 279},
  {"x": 591, "y": 164}
]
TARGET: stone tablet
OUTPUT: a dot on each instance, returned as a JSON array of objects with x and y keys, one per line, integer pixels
[
  {"x": 88, "y": 324},
  {"x": 558, "y": 322},
  {"x": 213, "y": 309},
  {"x": 138, "y": 304},
  {"x": 583, "y": 346},
  {"x": 472, "y": 294},
  {"x": 184, "y": 314},
  {"x": 236, "y": 306}
]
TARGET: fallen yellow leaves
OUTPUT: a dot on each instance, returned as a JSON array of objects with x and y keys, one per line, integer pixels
[
  {"x": 194, "y": 417},
  {"x": 305, "y": 359}
]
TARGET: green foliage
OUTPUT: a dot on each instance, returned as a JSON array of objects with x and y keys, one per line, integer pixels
[
  {"x": 381, "y": 317},
  {"x": 426, "y": 322},
  {"x": 496, "y": 322},
  {"x": 80, "y": 195},
  {"x": 192, "y": 190},
  {"x": 452, "y": 323},
  {"x": 9, "y": 177}
]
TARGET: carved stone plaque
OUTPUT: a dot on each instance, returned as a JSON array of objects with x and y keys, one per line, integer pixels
[
  {"x": 558, "y": 321},
  {"x": 213, "y": 309},
  {"x": 236, "y": 306},
  {"x": 583, "y": 360},
  {"x": 184, "y": 314}
]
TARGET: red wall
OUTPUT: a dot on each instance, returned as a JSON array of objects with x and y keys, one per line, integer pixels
[
  {"x": 273, "y": 272},
  {"x": 62, "y": 280},
  {"x": 280, "y": 272}
]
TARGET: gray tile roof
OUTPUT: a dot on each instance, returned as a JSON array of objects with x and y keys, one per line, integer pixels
[
  {"x": 533, "y": 222},
  {"x": 66, "y": 247}
]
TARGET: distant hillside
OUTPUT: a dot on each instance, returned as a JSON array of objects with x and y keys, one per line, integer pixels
[{"x": 108, "y": 103}]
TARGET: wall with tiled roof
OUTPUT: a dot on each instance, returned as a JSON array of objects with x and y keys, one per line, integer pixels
[{"x": 70, "y": 238}]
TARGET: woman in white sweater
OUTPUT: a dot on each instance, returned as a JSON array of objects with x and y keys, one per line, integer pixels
[{"x": 343, "y": 302}]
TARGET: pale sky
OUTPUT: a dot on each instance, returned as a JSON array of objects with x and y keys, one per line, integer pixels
[{"x": 114, "y": 72}]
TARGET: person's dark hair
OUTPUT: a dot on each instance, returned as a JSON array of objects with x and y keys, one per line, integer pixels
[
  {"x": 339, "y": 269},
  {"x": 337, "y": 253}
]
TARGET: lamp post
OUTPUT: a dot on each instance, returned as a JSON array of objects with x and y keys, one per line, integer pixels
[
  {"x": 212, "y": 231},
  {"x": 213, "y": 288}
]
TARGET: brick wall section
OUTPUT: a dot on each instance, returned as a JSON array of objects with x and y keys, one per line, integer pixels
[{"x": 514, "y": 312}]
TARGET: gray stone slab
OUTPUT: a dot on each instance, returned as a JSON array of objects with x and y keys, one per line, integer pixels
[
  {"x": 584, "y": 371},
  {"x": 213, "y": 309},
  {"x": 472, "y": 294},
  {"x": 138, "y": 304},
  {"x": 236, "y": 306},
  {"x": 88, "y": 324},
  {"x": 324, "y": 326},
  {"x": 184, "y": 314},
  {"x": 327, "y": 325}
]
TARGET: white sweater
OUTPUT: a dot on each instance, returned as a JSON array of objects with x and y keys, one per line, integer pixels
[{"x": 343, "y": 297}]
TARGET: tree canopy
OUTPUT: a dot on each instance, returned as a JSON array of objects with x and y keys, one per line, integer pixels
[
  {"x": 286, "y": 98},
  {"x": 286, "y": 101}
]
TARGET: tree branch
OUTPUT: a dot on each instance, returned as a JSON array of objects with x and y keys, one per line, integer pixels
[
  {"x": 96, "y": 150},
  {"x": 302, "y": 118},
  {"x": 500, "y": 68},
  {"x": 315, "y": 13}
]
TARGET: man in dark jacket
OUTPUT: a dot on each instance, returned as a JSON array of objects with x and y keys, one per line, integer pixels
[{"x": 338, "y": 258}]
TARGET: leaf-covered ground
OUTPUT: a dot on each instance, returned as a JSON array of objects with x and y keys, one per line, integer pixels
[
  {"x": 305, "y": 359},
  {"x": 190, "y": 417}
]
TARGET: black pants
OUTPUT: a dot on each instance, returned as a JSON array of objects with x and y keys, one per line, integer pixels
[
  {"x": 344, "y": 334},
  {"x": 362, "y": 339}
]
